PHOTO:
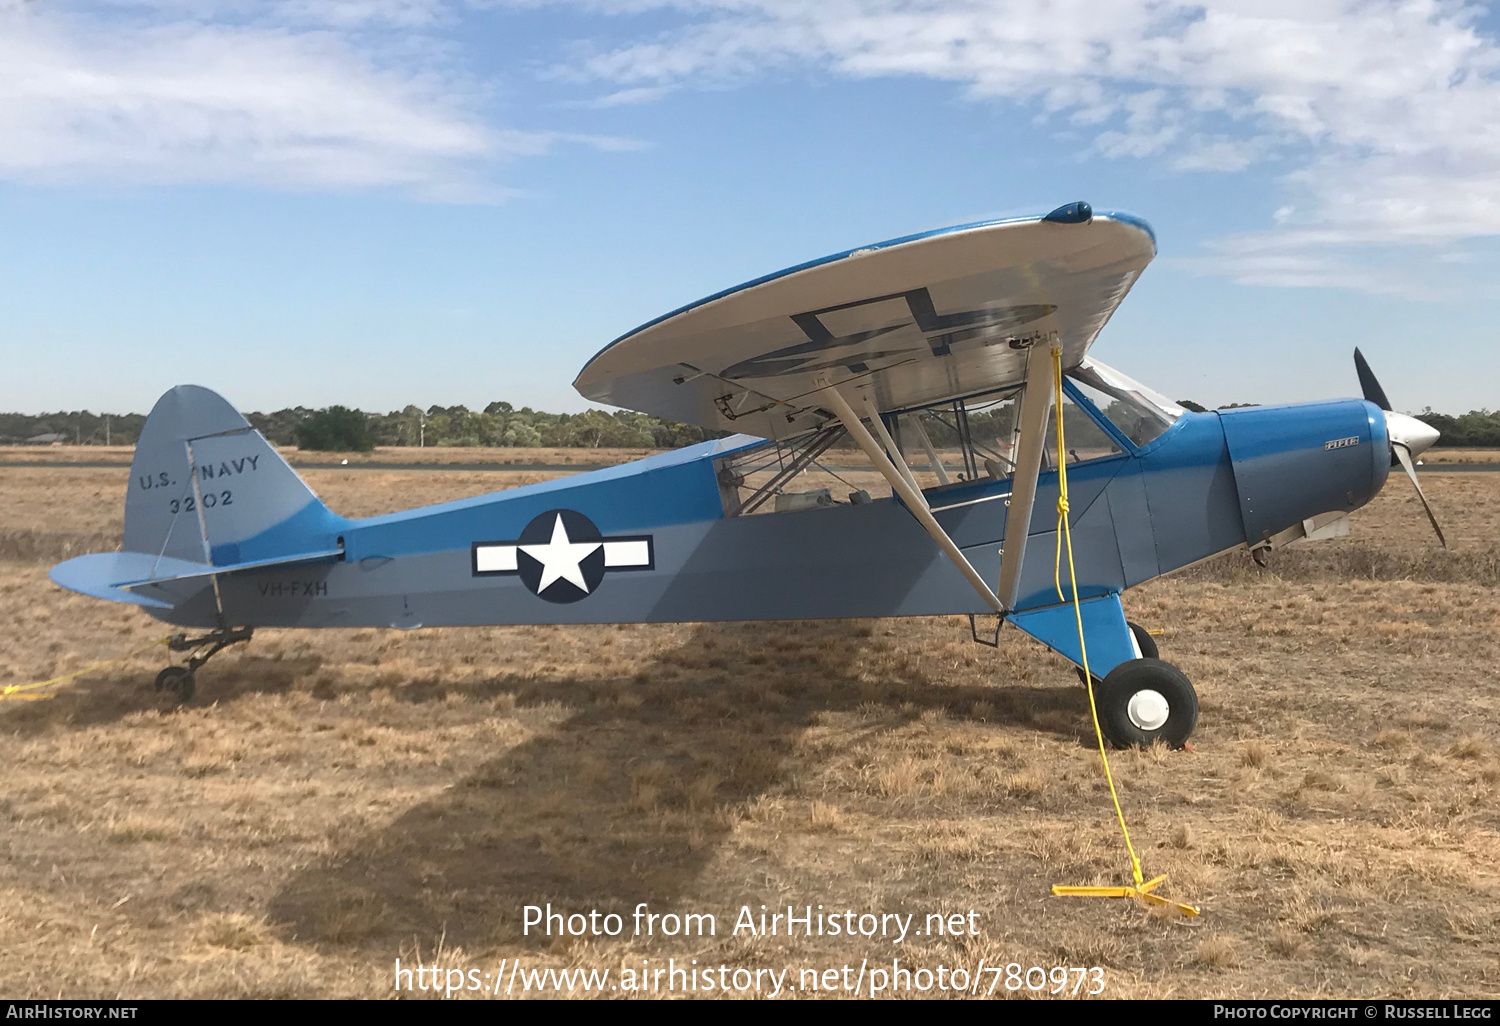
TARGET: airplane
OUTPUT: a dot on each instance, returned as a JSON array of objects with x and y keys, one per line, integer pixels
[{"x": 959, "y": 335}]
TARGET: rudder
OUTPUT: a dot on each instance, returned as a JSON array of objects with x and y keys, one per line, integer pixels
[{"x": 207, "y": 487}]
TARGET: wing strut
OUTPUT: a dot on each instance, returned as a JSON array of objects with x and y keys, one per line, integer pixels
[
  {"x": 1036, "y": 404},
  {"x": 872, "y": 413},
  {"x": 903, "y": 484},
  {"x": 208, "y": 551}
]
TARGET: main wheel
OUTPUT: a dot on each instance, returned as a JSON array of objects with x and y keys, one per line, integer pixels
[
  {"x": 1143, "y": 640},
  {"x": 1146, "y": 699},
  {"x": 177, "y": 681}
]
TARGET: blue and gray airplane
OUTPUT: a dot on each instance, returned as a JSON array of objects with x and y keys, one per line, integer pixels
[{"x": 933, "y": 354}]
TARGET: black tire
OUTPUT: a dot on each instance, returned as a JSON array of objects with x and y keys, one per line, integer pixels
[
  {"x": 1131, "y": 699},
  {"x": 176, "y": 681},
  {"x": 1144, "y": 641}
]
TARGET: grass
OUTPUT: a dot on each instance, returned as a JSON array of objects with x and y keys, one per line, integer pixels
[{"x": 333, "y": 800}]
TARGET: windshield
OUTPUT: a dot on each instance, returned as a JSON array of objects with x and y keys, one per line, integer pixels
[{"x": 1139, "y": 413}]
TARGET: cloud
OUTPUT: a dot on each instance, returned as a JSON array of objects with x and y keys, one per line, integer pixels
[
  {"x": 345, "y": 13},
  {"x": 1376, "y": 116},
  {"x": 1292, "y": 261},
  {"x": 626, "y": 97},
  {"x": 284, "y": 94},
  {"x": 1385, "y": 108}
]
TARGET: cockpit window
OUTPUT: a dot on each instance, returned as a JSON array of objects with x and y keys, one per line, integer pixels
[
  {"x": 1139, "y": 413},
  {"x": 963, "y": 441},
  {"x": 974, "y": 439},
  {"x": 1086, "y": 439}
]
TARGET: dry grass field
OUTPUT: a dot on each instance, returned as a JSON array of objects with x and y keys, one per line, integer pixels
[
  {"x": 1435, "y": 456},
  {"x": 332, "y": 801}
]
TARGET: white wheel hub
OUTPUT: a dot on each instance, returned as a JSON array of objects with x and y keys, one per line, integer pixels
[{"x": 1148, "y": 709}]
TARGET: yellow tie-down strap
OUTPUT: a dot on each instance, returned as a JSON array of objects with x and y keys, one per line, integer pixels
[
  {"x": 21, "y": 692},
  {"x": 1142, "y": 888}
]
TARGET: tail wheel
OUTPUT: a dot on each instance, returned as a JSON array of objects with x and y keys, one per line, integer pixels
[
  {"x": 175, "y": 681},
  {"x": 1144, "y": 700}
]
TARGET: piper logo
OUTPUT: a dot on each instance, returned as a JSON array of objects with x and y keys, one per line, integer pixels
[{"x": 1339, "y": 443}]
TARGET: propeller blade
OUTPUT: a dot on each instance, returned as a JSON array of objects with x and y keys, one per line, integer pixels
[
  {"x": 1367, "y": 383},
  {"x": 1411, "y": 472}
]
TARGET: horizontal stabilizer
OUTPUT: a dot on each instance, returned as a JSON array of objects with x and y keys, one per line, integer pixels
[
  {"x": 203, "y": 570},
  {"x": 102, "y": 574},
  {"x": 117, "y": 575}
]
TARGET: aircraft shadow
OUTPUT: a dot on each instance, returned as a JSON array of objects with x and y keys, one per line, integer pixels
[{"x": 622, "y": 802}]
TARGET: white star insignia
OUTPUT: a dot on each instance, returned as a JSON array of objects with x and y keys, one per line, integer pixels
[{"x": 561, "y": 558}]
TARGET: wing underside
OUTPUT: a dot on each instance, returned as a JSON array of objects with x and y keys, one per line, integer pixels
[{"x": 907, "y": 323}]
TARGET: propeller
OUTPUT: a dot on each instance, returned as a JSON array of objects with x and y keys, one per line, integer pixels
[{"x": 1409, "y": 436}]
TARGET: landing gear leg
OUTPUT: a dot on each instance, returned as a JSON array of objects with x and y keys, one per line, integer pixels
[
  {"x": 177, "y": 681},
  {"x": 1143, "y": 641}
]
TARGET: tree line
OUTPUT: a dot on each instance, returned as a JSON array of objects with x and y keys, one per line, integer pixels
[
  {"x": 78, "y": 428},
  {"x": 1476, "y": 429},
  {"x": 498, "y": 424},
  {"x": 339, "y": 428}
]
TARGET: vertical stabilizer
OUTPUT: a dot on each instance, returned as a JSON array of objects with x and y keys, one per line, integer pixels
[{"x": 207, "y": 487}]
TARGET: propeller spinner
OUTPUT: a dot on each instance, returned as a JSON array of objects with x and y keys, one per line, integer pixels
[{"x": 1409, "y": 437}]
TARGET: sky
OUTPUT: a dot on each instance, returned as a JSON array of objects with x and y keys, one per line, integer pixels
[{"x": 383, "y": 202}]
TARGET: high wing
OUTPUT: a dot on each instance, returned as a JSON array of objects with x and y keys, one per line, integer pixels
[{"x": 908, "y": 322}]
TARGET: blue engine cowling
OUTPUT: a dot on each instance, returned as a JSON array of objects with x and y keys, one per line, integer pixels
[{"x": 1295, "y": 462}]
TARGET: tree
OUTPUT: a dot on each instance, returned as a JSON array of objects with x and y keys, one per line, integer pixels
[
  {"x": 1475, "y": 428},
  {"x": 521, "y": 435},
  {"x": 280, "y": 428},
  {"x": 594, "y": 429},
  {"x": 336, "y": 428}
]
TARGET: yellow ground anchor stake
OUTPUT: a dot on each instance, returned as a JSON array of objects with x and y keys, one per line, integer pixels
[
  {"x": 1142, "y": 888},
  {"x": 18, "y": 692}
]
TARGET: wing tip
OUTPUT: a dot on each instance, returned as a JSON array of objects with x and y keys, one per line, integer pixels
[{"x": 1131, "y": 220}]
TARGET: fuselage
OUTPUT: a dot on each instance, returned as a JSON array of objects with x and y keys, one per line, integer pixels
[{"x": 651, "y": 541}]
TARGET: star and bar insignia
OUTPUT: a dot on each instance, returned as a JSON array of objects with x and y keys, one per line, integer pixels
[{"x": 562, "y": 557}]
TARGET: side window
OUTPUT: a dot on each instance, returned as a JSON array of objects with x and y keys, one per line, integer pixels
[
  {"x": 973, "y": 440},
  {"x": 814, "y": 471},
  {"x": 1085, "y": 439},
  {"x": 961, "y": 442}
]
